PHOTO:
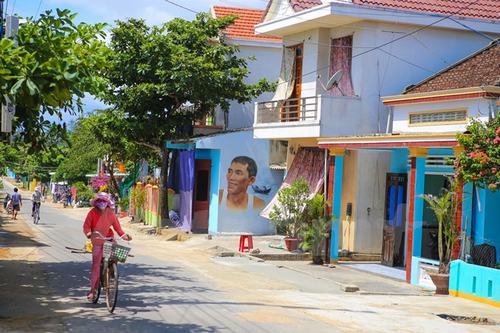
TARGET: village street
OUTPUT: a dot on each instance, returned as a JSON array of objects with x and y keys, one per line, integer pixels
[{"x": 175, "y": 287}]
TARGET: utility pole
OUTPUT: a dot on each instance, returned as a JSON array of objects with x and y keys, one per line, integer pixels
[
  {"x": 8, "y": 109},
  {"x": 1, "y": 19}
]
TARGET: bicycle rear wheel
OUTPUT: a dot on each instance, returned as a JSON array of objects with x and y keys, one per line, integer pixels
[{"x": 111, "y": 286}]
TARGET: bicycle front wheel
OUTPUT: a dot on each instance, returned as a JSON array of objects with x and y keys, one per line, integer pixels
[{"x": 111, "y": 286}]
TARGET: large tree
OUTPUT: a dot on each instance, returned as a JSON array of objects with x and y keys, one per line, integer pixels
[
  {"x": 165, "y": 77},
  {"x": 46, "y": 75}
]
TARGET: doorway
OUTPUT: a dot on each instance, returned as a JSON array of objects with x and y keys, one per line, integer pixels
[
  {"x": 201, "y": 195},
  {"x": 394, "y": 220}
]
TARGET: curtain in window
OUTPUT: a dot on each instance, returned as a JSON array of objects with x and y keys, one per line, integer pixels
[
  {"x": 309, "y": 163},
  {"x": 341, "y": 59},
  {"x": 287, "y": 78}
]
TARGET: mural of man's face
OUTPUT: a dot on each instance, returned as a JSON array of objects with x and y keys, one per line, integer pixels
[{"x": 238, "y": 178}]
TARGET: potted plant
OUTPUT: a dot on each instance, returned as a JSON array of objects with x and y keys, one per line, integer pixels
[
  {"x": 444, "y": 208},
  {"x": 289, "y": 213},
  {"x": 317, "y": 231}
]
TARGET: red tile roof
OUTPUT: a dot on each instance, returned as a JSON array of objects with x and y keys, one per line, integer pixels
[
  {"x": 479, "y": 69},
  {"x": 244, "y": 26},
  {"x": 299, "y": 5},
  {"x": 479, "y": 9}
]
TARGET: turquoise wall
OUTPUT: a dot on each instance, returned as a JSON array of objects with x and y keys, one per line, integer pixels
[
  {"x": 214, "y": 156},
  {"x": 486, "y": 217},
  {"x": 473, "y": 280},
  {"x": 336, "y": 207}
]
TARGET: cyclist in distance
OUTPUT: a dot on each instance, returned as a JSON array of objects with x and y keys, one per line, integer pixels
[
  {"x": 36, "y": 198},
  {"x": 101, "y": 218}
]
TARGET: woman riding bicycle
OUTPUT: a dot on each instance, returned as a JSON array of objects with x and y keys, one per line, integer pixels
[{"x": 100, "y": 219}]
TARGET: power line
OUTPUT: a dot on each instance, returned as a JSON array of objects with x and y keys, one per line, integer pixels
[
  {"x": 372, "y": 48},
  {"x": 13, "y": 6},
  {"x": 183, "y": 7},
  {"x": 38, "y": 10}
]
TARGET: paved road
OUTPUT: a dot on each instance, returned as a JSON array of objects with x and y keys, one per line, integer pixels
[{"x": 156, "y": 294}]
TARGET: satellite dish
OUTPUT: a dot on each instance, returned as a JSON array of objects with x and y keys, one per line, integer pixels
[{"x": 334, "y": 80}]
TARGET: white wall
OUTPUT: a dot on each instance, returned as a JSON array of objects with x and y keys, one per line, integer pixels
[
  {"x": 376, "y": 73},
  {"x": 476, "y": 108},
  {"x": 267, "y": 64},
  {"x": 369, "y": 223}
]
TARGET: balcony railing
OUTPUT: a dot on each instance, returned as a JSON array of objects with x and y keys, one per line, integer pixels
[{"x": 289, "y": 110}]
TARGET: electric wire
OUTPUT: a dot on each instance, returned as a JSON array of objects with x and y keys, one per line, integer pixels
[{"x": 378, "y": 47}]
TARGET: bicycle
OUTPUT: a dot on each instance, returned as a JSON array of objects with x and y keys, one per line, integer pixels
[
  {"x": 112, "y": 254},
  {"x": 36, "y": 213}
]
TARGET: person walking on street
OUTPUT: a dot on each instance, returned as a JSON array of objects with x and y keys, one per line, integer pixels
[
  {"x": 36, "y": 198},
  {"x": 17, "y": 202}
]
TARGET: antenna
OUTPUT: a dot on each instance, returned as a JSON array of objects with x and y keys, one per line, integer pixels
[{"x": 332, "y": 82}]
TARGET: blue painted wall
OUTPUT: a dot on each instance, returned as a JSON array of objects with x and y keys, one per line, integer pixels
[
  {"x": 486, "y": 215},
  {"x": 336, "y": 206},
  {"x": 214, "y": 156},
  {"x": 419, "y": 207},
  {"x": 478, "y": 281},
  {"x": 229, "y": 145}
]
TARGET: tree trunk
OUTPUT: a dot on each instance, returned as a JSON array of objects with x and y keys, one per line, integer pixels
[
  {"x": 163, "y": 185},
  {"x": 114, "y": 184}
]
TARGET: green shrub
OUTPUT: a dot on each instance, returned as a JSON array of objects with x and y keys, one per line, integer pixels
[{"x": 289, "y": 213}]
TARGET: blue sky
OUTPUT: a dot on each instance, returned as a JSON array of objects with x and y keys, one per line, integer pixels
[{"x": 94, "y": 11}]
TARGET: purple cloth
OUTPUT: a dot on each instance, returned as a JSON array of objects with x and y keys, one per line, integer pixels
[{"x": 186, "y": 184}]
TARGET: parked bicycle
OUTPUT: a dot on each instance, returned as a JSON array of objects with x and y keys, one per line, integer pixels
[{"x": 112, "y": 254}]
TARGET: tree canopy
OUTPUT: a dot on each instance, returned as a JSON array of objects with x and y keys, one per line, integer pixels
[
  {"x": 55, "y": 62},
  {"x": 163, "y": 78}
]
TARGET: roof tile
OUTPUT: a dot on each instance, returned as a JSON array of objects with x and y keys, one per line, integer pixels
[
  {"x": 244, "y": 26},
  {"x": 479, "y": 9},
  {"x": 479, "y": 69}
]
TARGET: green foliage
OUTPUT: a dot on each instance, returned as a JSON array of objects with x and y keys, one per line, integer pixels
[
  {"x": 139, "y": 196},
  {"x": 83, "y": 154},
  {"x": 444, "y": 208},
  {"x": 316, "y": 232},
  {"x": 155, "y": 71},
  {"x": 163, "y": 78},
  {"x": 54, "y": 64},
  {"x": 124, "y": 204},
  {"x": 84, "y": 192},
  {"x": 480, "y": 160},
  {"x": 289, "y": 214}
]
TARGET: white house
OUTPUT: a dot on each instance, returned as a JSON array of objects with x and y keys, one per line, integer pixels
[{"x": 380, "y": 47}]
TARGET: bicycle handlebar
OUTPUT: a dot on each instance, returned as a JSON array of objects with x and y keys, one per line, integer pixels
[{"x": 102, "y": 237}]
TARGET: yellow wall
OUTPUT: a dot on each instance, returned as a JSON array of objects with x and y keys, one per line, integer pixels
[{"x": 349, "y": 191}]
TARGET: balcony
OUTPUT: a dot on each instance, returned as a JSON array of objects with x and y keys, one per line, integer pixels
[{"x": 309, "y": 117}]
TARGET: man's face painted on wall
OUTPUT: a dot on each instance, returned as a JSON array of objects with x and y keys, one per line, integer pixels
[{"x": 238, "y": 178}]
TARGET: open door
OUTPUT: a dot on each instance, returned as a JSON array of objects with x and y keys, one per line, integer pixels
[
  {"x": 201, "y": 195},
  {"x": 395, "y": 220}
]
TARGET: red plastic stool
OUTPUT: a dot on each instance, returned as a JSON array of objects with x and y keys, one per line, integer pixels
[{"x": 249, "y": 245}]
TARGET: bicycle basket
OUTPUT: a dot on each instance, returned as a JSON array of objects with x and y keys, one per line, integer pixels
[{"x": 115, "y": 251}]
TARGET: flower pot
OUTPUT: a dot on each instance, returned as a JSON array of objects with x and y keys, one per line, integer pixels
[
  {"x": 291, "y": 243},
  {"x": 123, "y": 214},
  {"x": 441, "y": 282}
]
